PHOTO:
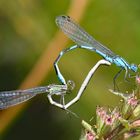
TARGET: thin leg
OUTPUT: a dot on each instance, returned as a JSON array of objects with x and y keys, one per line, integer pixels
[
  {"x": 62, "y": 99},
  {"x": 132, "y": 76},
  {"x": 114, "y": 79},
  {"x": 53, "y": 102},
  {"x": 126, "y": 75},
  {"x": 129, "y": 76}
]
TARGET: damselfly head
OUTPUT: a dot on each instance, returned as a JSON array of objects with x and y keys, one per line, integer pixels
[
  {"x": 70, "y": 85},
  {"x": 134, "y": 67},
  {"x": 62, "y": 19}
]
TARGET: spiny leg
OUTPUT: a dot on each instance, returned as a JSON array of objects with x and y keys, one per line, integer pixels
[
  {"x": 62, "y": 99},
  {"x": 132, "y": 76},
  {"x": 62, "y": 106},
  {"x": 114, "y": 79},
  {"x": 53, "y": 102},
  {"x": 127, "y": 75}
]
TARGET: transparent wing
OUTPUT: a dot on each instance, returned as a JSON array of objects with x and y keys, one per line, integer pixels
[
  {"x": 79, "y": 36},
  {"x": 11, "y": 98}
]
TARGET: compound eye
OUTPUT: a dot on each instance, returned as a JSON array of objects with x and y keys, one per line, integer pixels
[
  {"x": 70, "y": 84},
  {"x": 134, "y": 67}
]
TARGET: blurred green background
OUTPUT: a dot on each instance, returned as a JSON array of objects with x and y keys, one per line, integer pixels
[{"x": 27, "y": 28}]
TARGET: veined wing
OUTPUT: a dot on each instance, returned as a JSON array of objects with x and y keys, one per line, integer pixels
[
  {"x": 79, "y": 36},
  {"x": 11, "y": 98}
]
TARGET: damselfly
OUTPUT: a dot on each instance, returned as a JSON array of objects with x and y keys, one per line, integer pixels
[
  {"x": 85, "y": 41},
  {"x": 11, "y": 98}
]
